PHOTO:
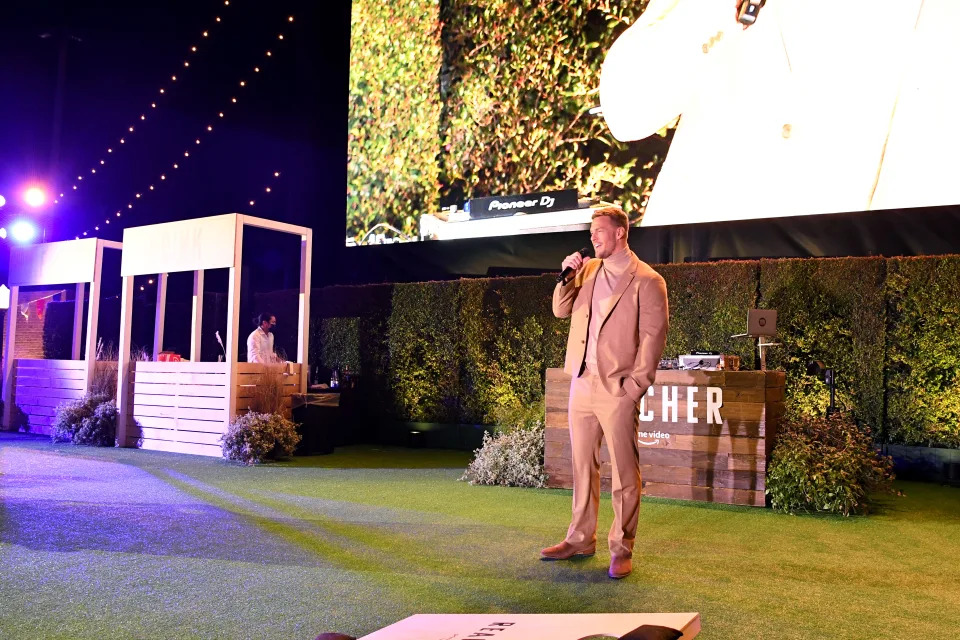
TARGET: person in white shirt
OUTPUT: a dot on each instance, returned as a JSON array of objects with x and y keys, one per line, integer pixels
[{"x": 260, "y": 341}]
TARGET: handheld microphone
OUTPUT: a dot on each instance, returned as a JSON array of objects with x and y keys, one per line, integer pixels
[
  {"x": 748, "y": 10},
  {"x": 566, "y": 272}
]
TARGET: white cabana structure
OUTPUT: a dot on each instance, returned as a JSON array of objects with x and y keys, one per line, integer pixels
[
  {"x": 187, "y": 406},
  {"x": 36, "y": 385}
]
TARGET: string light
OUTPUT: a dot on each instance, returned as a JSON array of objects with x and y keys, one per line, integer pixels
[{"x": 209, "y": 128}]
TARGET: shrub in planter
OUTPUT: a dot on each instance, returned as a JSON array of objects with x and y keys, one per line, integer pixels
[
  {"x": 71, "y": 416},
  {"x": 826, "y": 465},
  {"x": 512, "y": 458},
  {"x": 255, "y": 437}
]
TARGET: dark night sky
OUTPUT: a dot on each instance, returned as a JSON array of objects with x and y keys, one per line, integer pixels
[{"x": 290, "y": 117}]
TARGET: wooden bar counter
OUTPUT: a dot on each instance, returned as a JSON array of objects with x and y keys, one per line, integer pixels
[{"x": 703, "y": 435}]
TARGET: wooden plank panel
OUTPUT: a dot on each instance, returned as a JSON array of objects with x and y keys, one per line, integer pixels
[
  {"x": 38, "y": 410},
  {"x": 28, "y": 395},
  {"x": 190, "y": 402},
  {"x": 43, "y": 401},
  {"x": 179, "y": 447},
  {"x": 51, "y": 374},
  {"x": 37, "y": 420},
  {"x": 182, "y": 412},
  {"x": 705, "y": 494},
  {"x": 181, "y": 367},
  {"x": 256, "y": 367},
  {"x": 155, "y": 422},
  {"x": 200, "y": 437},
  {"x": 245, "y": 403},
  {"x": 36, "y": 363},
  {"x": 166, "y": 377},
  {"x": 192, "y": 390},
  {"x": 26, "y": 382}
]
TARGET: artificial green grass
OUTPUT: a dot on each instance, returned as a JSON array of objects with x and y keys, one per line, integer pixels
[{"x": 119, "y": 543}]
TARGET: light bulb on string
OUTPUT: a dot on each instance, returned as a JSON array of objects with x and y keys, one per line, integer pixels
[
  {"x": 251, "y": 203},
  {"x": 173, "y": 78},
  {"x": 122, "y": 141},
  {"x": 138, "y": 195},
  {"x": 79, "y": 177},
  {"x": 118, "y": 214},
  {"x": 197, "y": 140},
  {"x": 131, "y": 129},
  {"x": 186, "y": 64},
  {"x": 162, "y": 90},
  {"x": 205, "y": 34},
  {"x": 242, "y": 83},
  {"x": 234, "y": 100},
  {"x": 269, "y": 54},
  {"x": 194, "y": 49},
  {"x": 102, "y": 162},
  {"x": 93, "y": 170},
  {"x": 186, "y": 154},
  {"x": 176, "y": 166},
  {"x": 221, "y": 114},
  {"x": 268, "y": 189},
  {"x": 290, "y": 19},
  {"x": 280, "y": 37},
  {"x": 209, "y": 128},
  {"x": 276, "y": 174},
  {"x": 256, "y": 69},
  {"x": 151, "y": 187},
  {"x": 129, "y": 206},
  {"x": 143, "y": 117},
  {"x": 109, "y": 150}
]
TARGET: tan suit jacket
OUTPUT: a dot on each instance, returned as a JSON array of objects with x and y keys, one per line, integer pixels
[{"x": 633, "y": 330}]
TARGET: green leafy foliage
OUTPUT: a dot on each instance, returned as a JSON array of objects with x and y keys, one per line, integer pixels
[
  {"x": 509, "y": 340},
  {"x": 708, "y": 304},
  {"x": 515, "y": 102},
  {"x": 340, "y": 343},
  {"x": 923, "y": 357},
  {"x": 90, "y": 420},
  {"x": 394, "y": 114},
  {"x": 475, "y": 351},
  {"x": 825, "y": 465},
  {"x": 256, "y": 437},
  {"x": 424, "y": 339},
  {"x": 831, "y": 310}
]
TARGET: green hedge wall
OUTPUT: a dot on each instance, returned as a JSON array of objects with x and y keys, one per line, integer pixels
[
  {"x": 708, "y": 304},
  {"x": 474, "y": 351},
  {"x": 831, "y": 310},
  {"x": 923, "y": 350}
]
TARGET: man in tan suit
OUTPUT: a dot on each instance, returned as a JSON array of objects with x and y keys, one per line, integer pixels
[{"x": 618, "y": 326}]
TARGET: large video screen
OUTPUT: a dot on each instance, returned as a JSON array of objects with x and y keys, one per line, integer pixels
[{"x": 468, "y": 119}]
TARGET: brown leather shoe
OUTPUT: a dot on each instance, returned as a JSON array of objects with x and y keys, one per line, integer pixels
[
  {"x": 620, "y": 567},
  {"x": 565, "y": 551}
]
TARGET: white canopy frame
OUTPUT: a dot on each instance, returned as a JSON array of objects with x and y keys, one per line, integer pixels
[
  {"x": 55, "y": 263},
  {"x": 214, "y": 242}
]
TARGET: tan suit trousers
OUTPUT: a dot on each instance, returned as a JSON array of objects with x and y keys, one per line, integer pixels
[{"x": 594, "y": 415}]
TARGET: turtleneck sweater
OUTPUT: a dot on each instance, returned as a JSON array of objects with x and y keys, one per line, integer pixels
[{"x": 608, "y": 275}]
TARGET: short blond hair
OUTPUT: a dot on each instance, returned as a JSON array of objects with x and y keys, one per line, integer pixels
[{"x": 616, "y": 214}]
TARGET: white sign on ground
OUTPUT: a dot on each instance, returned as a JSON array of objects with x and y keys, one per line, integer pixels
[{"x": 534, "y": 626}]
